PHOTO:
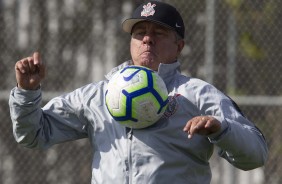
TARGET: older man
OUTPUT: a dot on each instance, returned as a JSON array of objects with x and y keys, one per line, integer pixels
[{"x": 176, "y": 149}]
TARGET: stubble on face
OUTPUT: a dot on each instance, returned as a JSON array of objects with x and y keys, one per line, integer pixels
[{"x": 147, "y": 55}]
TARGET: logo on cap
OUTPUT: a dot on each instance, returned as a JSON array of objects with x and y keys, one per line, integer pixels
[
  {"x": 176, "y": 25},
  {"x": 148, "y": 10}
]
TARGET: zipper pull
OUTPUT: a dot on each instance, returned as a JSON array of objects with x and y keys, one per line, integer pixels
[{"x": 129, "y": 132}]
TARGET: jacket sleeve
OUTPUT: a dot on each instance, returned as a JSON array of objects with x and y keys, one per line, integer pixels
[
  {"x": 241, "y": 143},
  {"x": 59, "y": 121}
]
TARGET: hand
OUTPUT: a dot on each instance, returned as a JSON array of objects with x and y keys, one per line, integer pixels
[
  {"x": 29, "y": 72},
  {"x": 203, "y": 125}
]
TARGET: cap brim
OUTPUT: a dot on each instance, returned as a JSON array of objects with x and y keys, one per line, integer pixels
[{"x": 128, "y": 24}]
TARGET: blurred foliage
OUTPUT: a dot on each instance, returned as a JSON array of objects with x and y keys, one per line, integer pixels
[
  {"x": 250, "y": 48},
  {"x": 234, "y": 4}
]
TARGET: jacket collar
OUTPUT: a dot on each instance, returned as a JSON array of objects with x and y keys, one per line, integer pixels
[{"x": 168, "y": 71}]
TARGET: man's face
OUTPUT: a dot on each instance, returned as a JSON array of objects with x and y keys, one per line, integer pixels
[{"x": 152, "y": 44}]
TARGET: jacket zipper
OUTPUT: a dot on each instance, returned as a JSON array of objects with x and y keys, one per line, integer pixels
[{"x": 128, "y": 162}]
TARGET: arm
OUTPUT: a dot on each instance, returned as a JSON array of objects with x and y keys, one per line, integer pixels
[
  {"x": 241, "y": 145},
  {"x": 240, "y": 142},
  {"x": 59, "y": 121}
]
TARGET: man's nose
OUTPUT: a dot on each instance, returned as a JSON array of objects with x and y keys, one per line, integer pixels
[{"x": 148, "y": 39}]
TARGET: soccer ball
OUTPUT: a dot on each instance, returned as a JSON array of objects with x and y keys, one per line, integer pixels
[{"x": 136, "y": 97}]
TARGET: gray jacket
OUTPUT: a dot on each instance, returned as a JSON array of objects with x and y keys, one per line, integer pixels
[{"x": 161, "y": 153}]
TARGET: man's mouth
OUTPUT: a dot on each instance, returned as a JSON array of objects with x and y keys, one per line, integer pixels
[{"x": 147, "y": 52}]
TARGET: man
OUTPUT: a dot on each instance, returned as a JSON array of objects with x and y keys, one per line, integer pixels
[{"x": 176, "y": 149}]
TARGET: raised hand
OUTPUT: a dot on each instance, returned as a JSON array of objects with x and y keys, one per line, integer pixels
[{"x": 29, "y": 72}]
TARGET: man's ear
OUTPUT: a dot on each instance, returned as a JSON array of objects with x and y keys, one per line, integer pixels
[{"x": 180, "y": 46}]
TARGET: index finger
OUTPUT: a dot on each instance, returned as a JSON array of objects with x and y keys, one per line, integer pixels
[
  {"x": 36, "y": 58},
  {"x": 187, "y": 126},
  {"x": 39, "y": 64}
]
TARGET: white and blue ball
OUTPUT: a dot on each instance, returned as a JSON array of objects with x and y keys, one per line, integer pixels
[{"x": 136, "y": 97}]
